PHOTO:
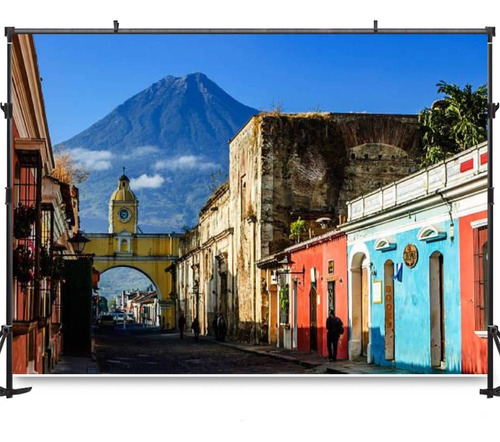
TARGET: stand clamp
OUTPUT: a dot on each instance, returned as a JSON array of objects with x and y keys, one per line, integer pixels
[
  {"x": 4, "y": 332},
  {"x": 492, "y": 110},
  {"x": 7, "y": 110},
  {"x": 495, "y": 334},
  {"x": 9, "y": 392}
]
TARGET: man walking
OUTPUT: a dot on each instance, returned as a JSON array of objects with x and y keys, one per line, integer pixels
[
  {"x": 181, "y": 323},
  {"x": 196, "y": 328},
  {"x": 334, "y": 328}
]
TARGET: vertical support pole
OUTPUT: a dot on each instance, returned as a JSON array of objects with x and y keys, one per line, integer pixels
[
  {"x": 9, "y": 202},
  {"x": 491, "y": 33},
  {"x": 9, "y": 391}
]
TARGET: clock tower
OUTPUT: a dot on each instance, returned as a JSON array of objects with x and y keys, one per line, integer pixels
[{"x": 123, "y": 209}]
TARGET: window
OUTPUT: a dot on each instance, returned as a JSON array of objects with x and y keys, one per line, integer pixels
[
  {"x": 123, "y": 245},
  {"x": 385, "y": 244},
  {"x": 431, "y": 233},
  {"x": 481, "y": 278},
  {"x": 243, "y": 197}
]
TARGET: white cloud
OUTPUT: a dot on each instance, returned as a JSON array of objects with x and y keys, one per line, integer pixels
[
  {"x": 186, "y": 162},
  {"x": 91, "y": 159},
  {"x": 141, "y": 151},
  {"x": 146, "y": 181}
]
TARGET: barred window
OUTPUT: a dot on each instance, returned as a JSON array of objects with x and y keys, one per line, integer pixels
[{"x": 481, "y": 278}]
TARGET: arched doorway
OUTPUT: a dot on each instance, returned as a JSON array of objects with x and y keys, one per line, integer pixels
[
  {"x": 359, "y": 343},
  {"x": 437, "y": 311},
  {"x": 390, "y": 336},
  {"x": 128, "y": 289}
]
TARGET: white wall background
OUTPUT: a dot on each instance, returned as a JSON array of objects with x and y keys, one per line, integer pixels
[{"x": 255, "y": 408}]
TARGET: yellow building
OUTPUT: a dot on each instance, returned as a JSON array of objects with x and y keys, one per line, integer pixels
[{"x": 150, "y": 253}]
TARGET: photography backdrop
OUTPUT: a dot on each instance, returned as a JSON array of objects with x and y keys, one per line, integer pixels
[{"x": 420, "y": 408}]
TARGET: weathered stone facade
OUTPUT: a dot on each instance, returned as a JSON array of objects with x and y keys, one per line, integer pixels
[
  {"x": 188, "y": 275},
  {"x": 283, "y": 166},
  {"x": 205, "y": 272}
]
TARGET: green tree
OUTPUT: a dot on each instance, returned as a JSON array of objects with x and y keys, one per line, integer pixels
[
  {"x": 453, "y": 123},
  {"x": 297, "y": 228}
]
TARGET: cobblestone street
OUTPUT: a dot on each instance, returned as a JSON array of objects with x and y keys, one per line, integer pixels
[{"x": 147, "y": 351}]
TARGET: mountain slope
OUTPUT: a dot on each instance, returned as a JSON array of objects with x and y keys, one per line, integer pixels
[{"x": 170, "y": 137}]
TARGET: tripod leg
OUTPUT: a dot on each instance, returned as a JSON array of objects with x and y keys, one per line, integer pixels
[{"x": 13, "y": 391}]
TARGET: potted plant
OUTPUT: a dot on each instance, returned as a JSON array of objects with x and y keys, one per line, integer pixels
[
  {"x": 24, "y": 218},
  {"x": 57, "y": 268},
  {"x": 24, "y": 263}
]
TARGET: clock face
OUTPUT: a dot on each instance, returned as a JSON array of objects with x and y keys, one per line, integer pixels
[{"x": 124, "y": 215}]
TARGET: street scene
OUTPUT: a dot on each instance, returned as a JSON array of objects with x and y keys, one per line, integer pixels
[
  {"x": 335, "y": 224},
  {"x": 143, "y": 351}
]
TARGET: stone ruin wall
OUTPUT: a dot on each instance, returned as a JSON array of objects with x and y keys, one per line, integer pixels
[
  {"x": 311, "y": 163},
  {"x": 245, "y": 208},
  {"x": 317, "y": 162}
]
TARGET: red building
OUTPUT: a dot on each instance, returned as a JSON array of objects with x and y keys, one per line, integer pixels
[
  {"x": 45, "y": 217},
  {"x": 474, "y": 291},
  {"x": 320, "y": 288}
]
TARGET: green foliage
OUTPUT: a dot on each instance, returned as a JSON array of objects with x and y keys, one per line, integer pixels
[
  {"x": 296, "y": 228},
  {"x": 284, "y": 297},
  {"x": 454, "y": 123}
]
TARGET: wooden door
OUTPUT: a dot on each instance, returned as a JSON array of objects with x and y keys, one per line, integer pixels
[
  {"x": 437, "y": 317},
  {"x": 389, "y": 310},
  {"x": 273, "y": 325},
  {"x": 331, "y": 297},
  {"x": 313, "y": 325},
  {"x": 365, "y": 330}
]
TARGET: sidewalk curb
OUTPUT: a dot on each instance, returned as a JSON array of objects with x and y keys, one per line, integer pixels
[{"x": 287, "y": 358}]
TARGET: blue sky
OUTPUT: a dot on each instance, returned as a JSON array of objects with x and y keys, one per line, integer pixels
[{"x": 87, "y": 76}]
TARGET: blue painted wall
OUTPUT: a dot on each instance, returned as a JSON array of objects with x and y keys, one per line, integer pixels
[{"x": 412, "y": 304}]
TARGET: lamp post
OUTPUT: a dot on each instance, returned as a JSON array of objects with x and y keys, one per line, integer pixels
[{"x": 78, "y": 242}]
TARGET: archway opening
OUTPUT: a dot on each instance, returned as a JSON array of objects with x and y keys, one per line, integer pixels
[
  {"x": 360, "y": 331},
  {"x": 129, "y": 296}
]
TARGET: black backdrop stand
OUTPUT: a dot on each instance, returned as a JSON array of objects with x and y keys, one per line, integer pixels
[
  {"x": 6, "y": 330},
  {"x": 493, "y": 333}
]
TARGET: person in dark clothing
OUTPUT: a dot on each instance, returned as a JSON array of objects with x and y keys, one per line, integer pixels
[
  {"x": 181, "y": 323},
  {"x": 195, "y": 326},
  {"x": 221, "y": 327},
  {"x": 215, "y": 326},
  {"x": 334, "y": 328}
]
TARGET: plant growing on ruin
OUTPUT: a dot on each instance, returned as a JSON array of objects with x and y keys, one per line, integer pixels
[
  {"x": 453, "y": 123},
  {"x": 297, "y": 228}
]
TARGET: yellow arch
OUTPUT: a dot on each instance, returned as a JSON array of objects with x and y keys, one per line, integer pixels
[{"x": 150, "y": 254}]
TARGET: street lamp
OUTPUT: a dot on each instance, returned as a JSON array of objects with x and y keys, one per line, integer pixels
[{"x": 78, "y": 242}]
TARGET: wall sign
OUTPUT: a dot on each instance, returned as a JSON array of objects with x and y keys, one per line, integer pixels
[
  {"x": 377, "y": 292},
  {"x": 410, "y": 255},
  {"x": 330, "y": 267}
]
